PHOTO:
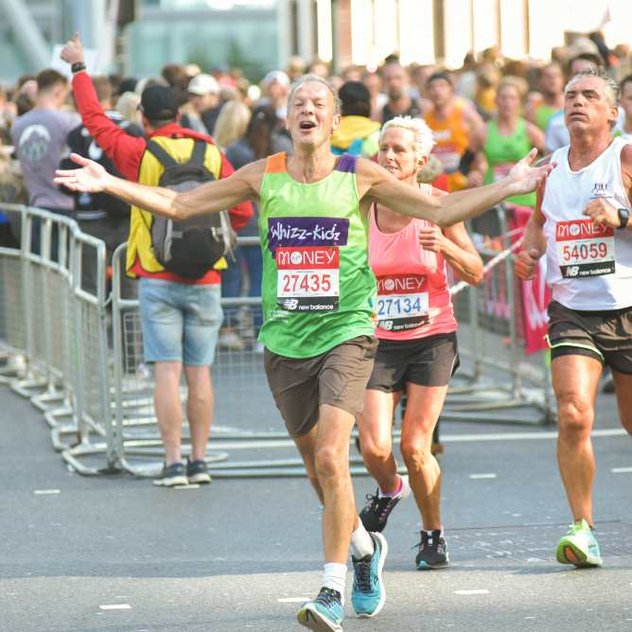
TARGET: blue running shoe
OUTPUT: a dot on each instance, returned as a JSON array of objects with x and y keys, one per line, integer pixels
[
  {"x": 579, "y": 546},
  {"x": 368, "y": 594},
  {"x": 323, "y": 614}
]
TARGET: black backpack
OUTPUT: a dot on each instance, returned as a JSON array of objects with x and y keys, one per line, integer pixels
[{"x": 189, "y": 248}]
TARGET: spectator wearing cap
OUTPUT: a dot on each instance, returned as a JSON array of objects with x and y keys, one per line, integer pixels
[
  {"x": 180, "y": 317},
  {"x": 357, "y": 134},
  {"x": 204, "y": 95}
]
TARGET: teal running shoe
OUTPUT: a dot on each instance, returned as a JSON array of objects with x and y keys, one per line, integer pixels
[
  {"x": 323, "y": 614},
  {"x": 368, "y": 594},
  {"x": 579, "y": 546}
]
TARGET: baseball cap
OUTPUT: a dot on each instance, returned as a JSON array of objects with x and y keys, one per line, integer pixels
[
  {"x": 159, "y": 103},
  {"x": 203, "y": 84},
  {"x": 276, "y": 75}
]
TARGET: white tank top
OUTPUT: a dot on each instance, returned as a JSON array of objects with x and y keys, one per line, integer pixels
[{"x": 588, "y": 268}]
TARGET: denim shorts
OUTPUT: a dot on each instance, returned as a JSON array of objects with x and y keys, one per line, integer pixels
[{"x": 180, "y": 322}]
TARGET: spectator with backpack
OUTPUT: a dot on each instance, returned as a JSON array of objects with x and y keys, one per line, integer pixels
[{"x": 179, "y": 295}]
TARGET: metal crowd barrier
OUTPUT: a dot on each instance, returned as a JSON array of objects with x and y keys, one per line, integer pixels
[
  {"x": 77, "y": 354},
  {"x": 53, "y": 332},
  {"x": 499, "y": 378}
]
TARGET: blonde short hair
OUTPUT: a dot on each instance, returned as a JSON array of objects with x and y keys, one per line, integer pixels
[{"x": 424, "y": 138}]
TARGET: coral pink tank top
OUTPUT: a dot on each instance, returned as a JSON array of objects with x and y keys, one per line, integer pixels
[{"x": 413, "y": 298}]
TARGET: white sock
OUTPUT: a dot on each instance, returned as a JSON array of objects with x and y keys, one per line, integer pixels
[
  {"x": 361, "y": 543},
  {"x": 335, "y": 577}
]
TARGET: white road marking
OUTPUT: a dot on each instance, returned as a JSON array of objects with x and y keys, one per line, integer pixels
[
  {"x": 523, "y": 436},
  {"x": 480, "y": 476},
  {"x": 43, "y": 492},
  {"x": 115, "y": 606},
  {"x": 252, "y": 443},
  {"x": 621, "y": 470},
  {"x": 300, "y": 600},
  {"x": 480, "y": 591}
]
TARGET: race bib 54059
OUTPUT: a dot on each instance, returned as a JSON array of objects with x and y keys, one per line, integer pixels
[{"x": 583, "y": 249}]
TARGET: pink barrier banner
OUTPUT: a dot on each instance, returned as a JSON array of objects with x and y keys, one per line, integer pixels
[{"x": 535, "y": 294}]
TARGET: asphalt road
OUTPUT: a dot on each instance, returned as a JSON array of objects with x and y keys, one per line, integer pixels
[{"x": 114, "y": 553}]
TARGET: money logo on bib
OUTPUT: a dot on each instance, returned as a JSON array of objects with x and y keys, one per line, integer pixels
[
  {"x": 402, "y": 302},
  {"x": 583, "y": 249}
]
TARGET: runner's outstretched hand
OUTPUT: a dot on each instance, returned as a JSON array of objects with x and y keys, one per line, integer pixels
[
  {"x": 90, "y": 178},
  {"x": 527, "y": 178}
]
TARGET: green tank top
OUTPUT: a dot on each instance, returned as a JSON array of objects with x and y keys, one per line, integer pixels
[
  {"x": 318, "y": 290},
  {"x": 502, "y": 152}
]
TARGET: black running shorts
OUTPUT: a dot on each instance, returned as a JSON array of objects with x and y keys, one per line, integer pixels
[
  {"x": 603, "y": 335},
  {"x": 429, "y": 361}
]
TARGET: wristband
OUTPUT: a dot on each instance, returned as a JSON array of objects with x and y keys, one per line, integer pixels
[{"x": 78, "y": 66}]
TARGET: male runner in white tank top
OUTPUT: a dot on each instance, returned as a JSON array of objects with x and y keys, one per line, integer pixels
[{"x": 581, "y": 222}]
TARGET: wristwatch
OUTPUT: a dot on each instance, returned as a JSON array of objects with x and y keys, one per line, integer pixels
[
  {"x": 624, "y": 216},
  {"x": 78, "y": 66}
]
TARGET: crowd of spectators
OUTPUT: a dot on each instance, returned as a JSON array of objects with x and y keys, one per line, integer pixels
[{"x": 471, "y": 110}]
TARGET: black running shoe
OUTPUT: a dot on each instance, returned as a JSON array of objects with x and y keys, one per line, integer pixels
[
  {"x": 376, "y": 511},
  {"x": 174, "y": 475},
  {"x": 197, "y": 472},
  {"x": 433, "y": 551}
]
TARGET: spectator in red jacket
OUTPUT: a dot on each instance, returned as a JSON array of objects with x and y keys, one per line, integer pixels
[{"x": 180, "y": 317}]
